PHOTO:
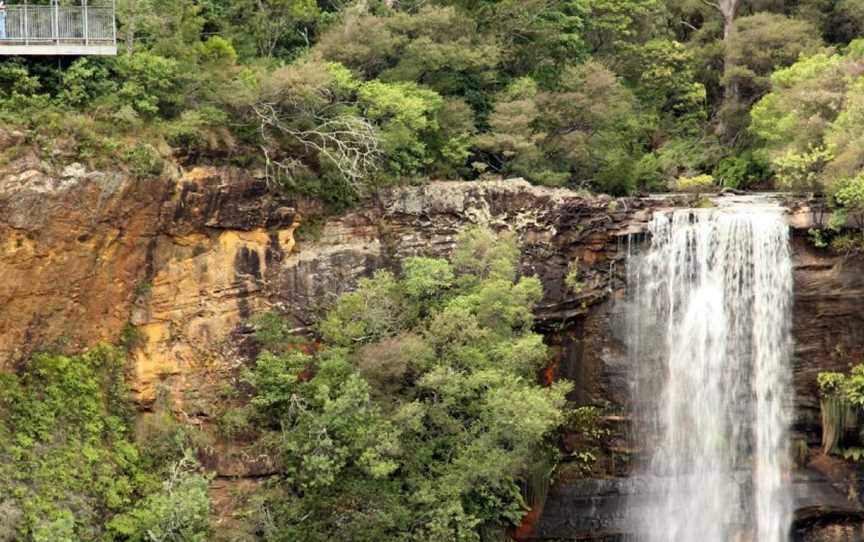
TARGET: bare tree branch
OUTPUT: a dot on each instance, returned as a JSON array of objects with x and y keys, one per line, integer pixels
[{"x": 347, "y": 142}]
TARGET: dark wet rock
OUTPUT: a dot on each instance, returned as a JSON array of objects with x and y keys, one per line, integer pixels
[
  {"x": 599, "y": 510},
  {"x": 828, "y": 325}
]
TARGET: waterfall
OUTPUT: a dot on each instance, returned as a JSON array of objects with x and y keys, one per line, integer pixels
[{"x": 709, "y": 334}]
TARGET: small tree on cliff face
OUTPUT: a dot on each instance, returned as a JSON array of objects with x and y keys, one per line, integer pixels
[
  {"x": 842, "y": 399},
  {"x": 421, "y": 413}
]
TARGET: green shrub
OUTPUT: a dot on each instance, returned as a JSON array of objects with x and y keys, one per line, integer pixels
[
  {"x": 85, "y": 82},
  {"x": 199, "y": 130},
  {"x": 274, "y": 331},
  {"x": 16, "y": 80},
  {"x": 237, "y": 423},
  {"x": 144, "y": 161},
  {"x": 150, "y": 83},
  {"x": 420, "y": 413},
  {"x": 617, "y": 175},
  {"x": 699, "y": 183},
  {"x": 831, "y": 384},
  {"x": 68, "y": 460},
  {"x": 130, "y": 337},
  {"x": 817, "y": 238},
  {"x": 587, "y": 425},
  {"x": 842, "y": 400},
  {"x": 573, "y": 278},
  {"x": 66, "y": 455},
  {"x": 178, "y": 512},
  {"x": 801, "y": 172},
  {"x": 742, "y": 170},
  {"x": 847, "y": 244},
  {"x": 648, "y": 173},
  {"x": 142, "y": 289}
]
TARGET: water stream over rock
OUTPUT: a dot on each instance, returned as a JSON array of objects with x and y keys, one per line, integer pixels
[{"x": 709, "y": 327}]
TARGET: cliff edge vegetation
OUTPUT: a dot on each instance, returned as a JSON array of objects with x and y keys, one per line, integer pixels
[{"x": 335, "y": 98}]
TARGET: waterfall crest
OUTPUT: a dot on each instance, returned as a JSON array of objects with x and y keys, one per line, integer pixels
[{"x": 709, "y": 333}]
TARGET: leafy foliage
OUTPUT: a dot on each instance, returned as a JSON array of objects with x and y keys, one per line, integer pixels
[
  {"x": 700, "y": 183},
  {"x": 179, "y": 511},
  {"x": 420, "y": 415},
  {"x": 586, "y": 423},
  {"x": 842, "y": 402},
  {"x": 576, "y": 131},
  {"x": 64, "y": 435},
  {"x": 806, "y": 121},
  {"x": 68, "y": 460},
  {"x": 334, "y": 98}
]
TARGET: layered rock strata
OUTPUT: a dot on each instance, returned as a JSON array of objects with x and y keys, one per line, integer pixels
[{"x": 180, "y": 267}]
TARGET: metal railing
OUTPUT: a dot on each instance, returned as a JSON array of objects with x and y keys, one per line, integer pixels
[{"x": 55, "y": 24}]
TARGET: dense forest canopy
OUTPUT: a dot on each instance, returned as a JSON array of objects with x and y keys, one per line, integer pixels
[{"x": 334, "y": 98}]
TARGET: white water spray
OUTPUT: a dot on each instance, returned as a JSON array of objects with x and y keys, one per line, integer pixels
[{"x": 709, "y": 332}]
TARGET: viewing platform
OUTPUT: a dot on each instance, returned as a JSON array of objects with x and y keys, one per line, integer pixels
[{"x": 55, "y": 30}]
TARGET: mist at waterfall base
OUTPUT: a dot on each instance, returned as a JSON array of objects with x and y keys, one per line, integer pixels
[{"x": 708, "y": 323}]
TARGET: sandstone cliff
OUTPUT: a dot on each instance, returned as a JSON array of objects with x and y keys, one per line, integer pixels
[{"x": 183, "y": 265}]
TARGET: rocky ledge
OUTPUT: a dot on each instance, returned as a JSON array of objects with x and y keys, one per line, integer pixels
[{"x": 603, "y": 510}]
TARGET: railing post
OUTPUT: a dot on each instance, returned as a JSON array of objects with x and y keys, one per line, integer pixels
[
  {"x": 114, "y": 21},
  {"x": 26, "y": 32},
  {"x": 86, "y": 24},
  {"x": 56, "y": 21}
]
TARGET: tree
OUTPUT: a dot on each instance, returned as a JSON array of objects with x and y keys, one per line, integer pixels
[
  {"x": 407, "y": 115},
  {"x": 269, "y": 28},
  {"x": 760, "y": 44},
  {"x": 416, "y": 428},
  {"x": 810, "y": 121},
  {"x": 729, "y": 11},
  {"x": 576, "y": 134},
  {"x": 614, "y": 28},
  {"x": 180, "y": 512},
  {"x": 308, "y": 124},
  {"x": 849, "y": 195},
  {"x": 538, "y": 38},
  {"x": 70, "y": 468},
  {"x": 513, "y": 142},
  {"x": 167, "y": 27},
  {"x": 437, "y": 47}
]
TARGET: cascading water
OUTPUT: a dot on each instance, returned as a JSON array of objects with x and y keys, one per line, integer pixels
[{"x": 709, "y": 331}]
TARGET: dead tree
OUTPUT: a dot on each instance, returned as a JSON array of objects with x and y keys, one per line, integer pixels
[
  {"x": 729, "y": 11},
  {"x": 348, "y": 143}
]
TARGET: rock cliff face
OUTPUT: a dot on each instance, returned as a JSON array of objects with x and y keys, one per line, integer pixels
[
  {"x": 72, "y": 247},
  {"x": 181, "y": 267},
  {"x": 828, "y": 324},
  {"x": 225, "y": 251}
]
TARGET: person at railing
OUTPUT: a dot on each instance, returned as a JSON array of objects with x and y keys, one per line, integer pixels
[{"x": 2, "y": 20}]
